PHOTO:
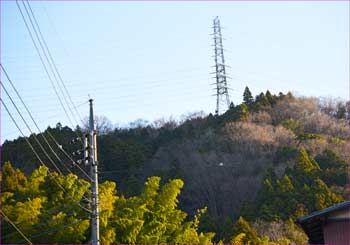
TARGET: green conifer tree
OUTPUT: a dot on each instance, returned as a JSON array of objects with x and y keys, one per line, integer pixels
[{"x": 247, "y": 97}]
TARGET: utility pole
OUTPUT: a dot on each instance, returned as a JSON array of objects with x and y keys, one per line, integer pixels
[
  {"x": 92, "y": 149},
  {"x": 220, "y": 69}
]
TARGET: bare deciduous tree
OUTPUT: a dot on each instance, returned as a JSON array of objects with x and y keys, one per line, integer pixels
[{"x": 103, "y": 125}]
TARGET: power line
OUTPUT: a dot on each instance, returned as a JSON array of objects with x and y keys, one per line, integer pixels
[
  {"x": 36, "y": 226},
  {"x": 174, "y": 97},
  {"x": 166, "y": 98},
  {"x": 26, "y": 139},
  {"x": 46, "y": 119},
  {"x": 14, "y": 226},
  {"x": 239, "y": 79},
  {"x": 153, "y": 82},
  {"x": 34, "y": 136},
  {"x": 51, "y": 211},
  {"x": 161, "y": 81},
  {"x": 51, "y": 108},
  {"x": 173, "y": 93},
  {"x": 38, "y": 157},
  {"x": 42, "y": 134},
  {"x": 51, "y": 22},
  {"x": 135, "y": 104},
  {"x": 42, "y": 61},
  {"x": 52, "y": 60},
  {"x": 68, "y": 156},
  {"x": 51, "y": 230},
  {"x": 144, "y": 90},
  {"x": 47, "y": 56},
  {"x": 262, "y": 76}
]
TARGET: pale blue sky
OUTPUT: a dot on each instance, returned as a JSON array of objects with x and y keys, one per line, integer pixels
[{"x": 153, "y": 59}]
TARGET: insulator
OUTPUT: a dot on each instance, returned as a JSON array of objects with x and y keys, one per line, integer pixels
[
  {"x": 95, "y": 153},
  {"x": 86, "y": 149},
  {"x": 74, "y": 141},
  {"x": 76, "y": 153}
]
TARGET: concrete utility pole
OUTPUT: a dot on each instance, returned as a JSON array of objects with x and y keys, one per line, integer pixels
[
  {"x": 220, "y": 70},
  {"x": 95, "y": 233}
]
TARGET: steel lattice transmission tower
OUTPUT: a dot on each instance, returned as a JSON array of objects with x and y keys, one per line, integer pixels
[{"x": 222, "y": 96}]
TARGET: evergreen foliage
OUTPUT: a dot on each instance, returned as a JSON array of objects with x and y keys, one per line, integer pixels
[
  {"x": 299, "y": 191},
  {"x": 286, "y": 156},
  {"x": 247, "y": 97}
]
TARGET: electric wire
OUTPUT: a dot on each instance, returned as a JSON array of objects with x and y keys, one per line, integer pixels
[
  {"x": 151, "y": 81},
  {"x": 134, "y": 104},
  {"x": 183, "y": 83},
  {"x": 52, "y": 230},
  {"x": 240, "y": 78},
  {"x": 68, "y": 156},
  {"x": 44, "y": 65},
  {"x": 45, "y": 120},
  {"x": 174, "y": 93},
  {"x": 52, "y": 24},
  {"x": 30, "y": 130},
  {"x": 46, "y": 55},
  {"x": 14, "y": 226},
  {"x": 38, "y": 157},
  {"x": 36, "y": 226},
  {"x": 46, "y": 141},
  {"x": 168, "y": 97},
  {"x": 52, "y": 60},
  {"x": 132, "y": 82},
  {"x": 60, "y": 147},
  {"x": 152, "y": 84},
  {"x": 49, "y": 213}
]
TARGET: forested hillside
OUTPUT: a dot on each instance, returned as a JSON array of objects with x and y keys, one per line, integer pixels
[{"x": 256, "y": 168}]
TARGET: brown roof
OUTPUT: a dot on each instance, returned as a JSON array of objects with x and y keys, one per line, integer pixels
[{"x": 313, "y": 224}]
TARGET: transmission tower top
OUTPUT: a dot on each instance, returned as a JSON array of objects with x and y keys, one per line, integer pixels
[{"x": 222, "y": 96}]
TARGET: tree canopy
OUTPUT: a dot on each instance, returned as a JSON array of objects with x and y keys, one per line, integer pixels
[{"x": 46, "y": 212}]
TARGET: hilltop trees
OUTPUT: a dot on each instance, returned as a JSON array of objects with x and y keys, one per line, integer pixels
[
  {"x": 282, "y": 157},
  {"x": 336, "y": 108}
]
